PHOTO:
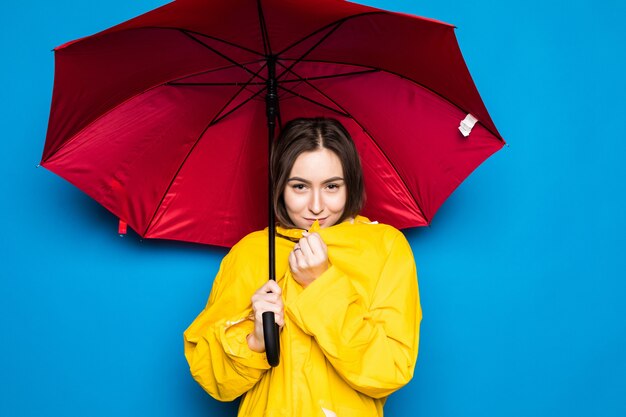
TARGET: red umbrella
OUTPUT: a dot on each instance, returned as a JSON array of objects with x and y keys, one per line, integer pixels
[{"x": 163, "y": 119}]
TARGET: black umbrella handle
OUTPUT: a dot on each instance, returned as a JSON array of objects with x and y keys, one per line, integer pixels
[{"x": 270, "y": 335}]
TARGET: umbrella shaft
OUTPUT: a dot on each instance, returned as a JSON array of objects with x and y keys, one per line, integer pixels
[
  {"x": 270, "y": 328},
  {"x": 271, "y": 102},
  {"x": 271, "y": 99}
]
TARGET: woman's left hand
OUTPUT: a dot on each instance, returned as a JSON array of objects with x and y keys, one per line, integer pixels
[{"x": 308, "y": 259}]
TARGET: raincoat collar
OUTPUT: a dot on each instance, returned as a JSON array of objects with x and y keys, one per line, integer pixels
[{"x": 295, "y": 234}]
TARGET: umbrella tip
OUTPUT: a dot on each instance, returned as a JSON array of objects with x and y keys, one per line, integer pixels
[
  {"x": 122, "y": 228},
  {"x": 38, "y": 166}
]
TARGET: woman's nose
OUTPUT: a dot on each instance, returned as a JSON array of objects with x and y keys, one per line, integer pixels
[{"x": 316, "y": 204}]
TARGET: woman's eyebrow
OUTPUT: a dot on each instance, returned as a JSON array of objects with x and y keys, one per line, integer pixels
[
  {"x": 298, "y": 179},
  {"x": 333, "y": 179},
  {"x": 326, "y": 181}
]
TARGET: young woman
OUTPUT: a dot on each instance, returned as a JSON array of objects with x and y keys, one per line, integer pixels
[{"x": 346, "y": 295}]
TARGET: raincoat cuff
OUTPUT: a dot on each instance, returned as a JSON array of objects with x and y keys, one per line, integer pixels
[
  {"x": 233, "y": 338},
  {"x": 316, "y": 301}
]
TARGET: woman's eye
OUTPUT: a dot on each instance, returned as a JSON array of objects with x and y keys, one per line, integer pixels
[
  {"x": 298, "y": 187},
  {"x": 332, "y": 186}
]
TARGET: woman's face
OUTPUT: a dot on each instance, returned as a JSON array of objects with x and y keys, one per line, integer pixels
[{"x": 315, "y": 189}]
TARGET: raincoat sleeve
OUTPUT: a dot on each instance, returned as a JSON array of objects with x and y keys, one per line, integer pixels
[
  {"x": 373, "y": 346},
  {"x": 215, "y": 343}
]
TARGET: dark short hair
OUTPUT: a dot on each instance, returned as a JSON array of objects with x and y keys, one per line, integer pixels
[{"x": 307, "y": 135}]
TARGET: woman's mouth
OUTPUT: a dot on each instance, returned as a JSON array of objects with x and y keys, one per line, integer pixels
[{"x": 320, "y": 220}]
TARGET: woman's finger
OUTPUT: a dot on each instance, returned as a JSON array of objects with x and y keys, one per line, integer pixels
[
  {"x": 264, "y": 306},
  {"x": 270, "y": 297},
  {"x": 316, "y": 244},
  {"x": 301, "y": 260},
  {"x": 271, "y": 286},
  {"x": 279, "y": 318},
  {"x": 306, "y": 247},
  {"x": 293, "y": 262}
]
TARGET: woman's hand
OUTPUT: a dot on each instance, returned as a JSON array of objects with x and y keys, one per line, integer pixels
[
  {"x": 308, "y": 259},
  {"x": 266, "y": 298}
]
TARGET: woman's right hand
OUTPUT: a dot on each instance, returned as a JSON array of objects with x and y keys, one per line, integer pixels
[{"x": 266, "y": 298}]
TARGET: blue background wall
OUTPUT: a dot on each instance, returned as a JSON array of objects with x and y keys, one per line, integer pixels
[{"x": 521, "y": 273}]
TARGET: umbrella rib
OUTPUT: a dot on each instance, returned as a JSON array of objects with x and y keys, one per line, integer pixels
[
  {"x": 176, "y": 81},
  {"x": 347, "y": 113},
  {"x": 243, "y": 87},
  {"x": 215, "y": 51},
  {"x": 236, "y": 83},
  {"x": 267, "y": 48},
  {"x": 317, "y": 103},
  {"x": 325, "y": 77},
  {"x": 323, "y": 28},
  {"x": 180, "y": 29},
  {"x": 235, "y": 63},
  {"x": 218, "y": 119},
  {"x": 319, "y": 42}
]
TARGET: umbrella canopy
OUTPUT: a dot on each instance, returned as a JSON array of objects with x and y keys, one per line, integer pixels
[{"x": 162, "y": 119}]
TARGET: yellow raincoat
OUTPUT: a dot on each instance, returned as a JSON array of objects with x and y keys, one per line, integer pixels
[{"x": 350, "y": 338}]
